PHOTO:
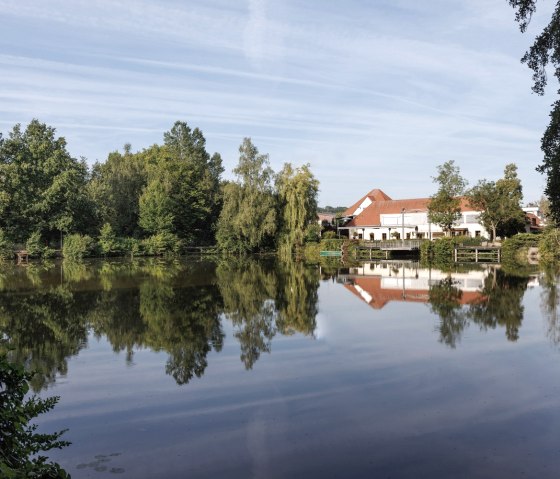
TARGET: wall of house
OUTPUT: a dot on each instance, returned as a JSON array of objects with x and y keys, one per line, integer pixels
[{"x": 416, "y": 226}]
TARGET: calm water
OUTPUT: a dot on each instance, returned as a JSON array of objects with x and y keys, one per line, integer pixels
[{"x": 253, "y": 369}]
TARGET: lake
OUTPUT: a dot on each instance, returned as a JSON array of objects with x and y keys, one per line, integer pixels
[{"x": 244, "y": 368}]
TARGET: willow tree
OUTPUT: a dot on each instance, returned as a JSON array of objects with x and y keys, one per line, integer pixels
[
  {"x": 297, "y": 192},
  {"x": 248, "y": 220},
  {"x": 544, "y": 51}
]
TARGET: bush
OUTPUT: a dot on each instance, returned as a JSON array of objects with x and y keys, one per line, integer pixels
[
  {"x": 34, "y": 246},
  {"x": 443, "y": 249},
  {"x": 6, "y": 247},
  {"x": 78, "y": 246},
  {"x": 549, "y": 245},
  {"x": 329, "y": 235},
  {"x": 313, "y": 233},
  {"x": 162, "y": 244},
  {"x": 108, "y": 243},
  {"x": 132, "y": 246},
  {"x": 515, "y": 247},
  {"x": 21, "y": 445}
]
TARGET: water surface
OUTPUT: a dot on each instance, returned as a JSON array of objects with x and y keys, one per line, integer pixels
[{"x": 258, "y": 369}]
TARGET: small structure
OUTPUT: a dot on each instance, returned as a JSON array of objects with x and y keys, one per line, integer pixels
[{"x": 22, "y": 257}]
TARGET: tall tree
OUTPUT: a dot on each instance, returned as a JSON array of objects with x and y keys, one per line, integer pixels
[
  {"x": 190, "y": 178},
  {"x": 42, "y": 187},
  {"x": 116, "y": 187},
  {"x": 544, "y": 51},
  {"x": 499, "y": 203},
  {"x": 297, "y": 191},
  {"x": 445, "y": 205},
  {"x": 248, "y": 221}
]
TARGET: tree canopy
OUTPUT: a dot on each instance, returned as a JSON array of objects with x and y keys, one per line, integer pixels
[
  {"x": 545, "y": 51},
  {"x": 500, "y": 203},
  {"x": 445, "y": 205}
]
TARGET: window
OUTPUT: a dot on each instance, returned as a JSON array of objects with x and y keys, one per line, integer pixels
[
  {"x": 477, "y": 234},
  {"x": 384, "y": 236},
  {"x": 408, "y": 236},
  {"x": 371, "y": 236}
]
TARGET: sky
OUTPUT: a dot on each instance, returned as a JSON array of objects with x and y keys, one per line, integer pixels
[{"x": 372, "y": 94}]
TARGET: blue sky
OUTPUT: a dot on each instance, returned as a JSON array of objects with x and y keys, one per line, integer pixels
[{"x": 373, "y": 94}]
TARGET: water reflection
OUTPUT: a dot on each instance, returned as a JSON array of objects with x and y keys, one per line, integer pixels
[
  {"x": 486, "y": 296},
  {"x": 47, "y": 312}
]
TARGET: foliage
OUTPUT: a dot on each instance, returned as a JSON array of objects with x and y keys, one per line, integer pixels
[
  {"x": 516, "y": 246},
  {"x": 162, "y": 244},
  {"x": 445, "y": 205},
  {"x": 445, "y": 301},
  {"x": 42, "y": 188},
  {"x": 116, "y": 186},
  {"x": 544, "y": 51},
  {"x": 297, "y": 193},
  {"x": 248, "y": 221},
  {"x": 500, "y": 203},
  {"x": 313, "y": 233},
  {"x": 549, "y": 245},
  {"x": 77, "y": 246},
  {"x": 6, "y": 247},
  {"x": 20, "y": 445},
  {"x": 108, "y": 242},
  {"x": 329, "y": 235}
]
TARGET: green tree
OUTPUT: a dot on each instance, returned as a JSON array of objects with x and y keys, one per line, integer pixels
[
  {"x": 500, "y": 203},
  {"x": 248, "y": 220},
  {"x": 42, "y": 188},
  {"x": 183, "y": 187},
  {"x": 116, "y": 186},
  {"x": 445, "y": 205},
  {"x": 297, "y": 191},
  {"x": 544, "y": 51},
  {"x": 108, "y": 242}
]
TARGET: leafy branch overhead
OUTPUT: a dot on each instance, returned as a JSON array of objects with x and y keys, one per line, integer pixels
[{"x": 545, "y": 51}]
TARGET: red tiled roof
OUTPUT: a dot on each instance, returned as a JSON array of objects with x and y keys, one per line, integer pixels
[
  {"x": 380, "y": 296},
  {"x": 382, "y": 204},
  {"x": 373, "y": 195}
]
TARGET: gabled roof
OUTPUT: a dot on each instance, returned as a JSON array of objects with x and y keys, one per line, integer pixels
[
  {"x": 373, "y": 195},
  {"x": 383, "y": 204}
]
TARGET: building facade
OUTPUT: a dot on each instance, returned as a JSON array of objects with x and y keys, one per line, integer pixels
[{"x": 378, "y": 217}]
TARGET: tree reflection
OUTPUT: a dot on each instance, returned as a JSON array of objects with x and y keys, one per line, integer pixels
[
  {"x": 248, "y": 289},
  {"x": 500, "y": 303},
  {"x": 550, "y": 301},
  {"x": 445, "y": 301},
  {"x": 165, "y": 306},
  {"x": 297, "y": 298},
  {"x": 44, "y": 329}
]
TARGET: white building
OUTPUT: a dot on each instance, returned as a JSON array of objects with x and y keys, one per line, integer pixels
[{"x": 378, "y": 217}]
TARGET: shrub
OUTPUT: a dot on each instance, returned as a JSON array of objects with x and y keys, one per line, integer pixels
[
  {"x": 77, "y": 246},
  {"x": 6, "y": 247},
  {"x": 132, "y": 246},
  {"x": 329, "y": 235},
  {"x": 549, "y": 245},
  {"x": 21, "y": 445},
  {"x": 162, "y": 244},
  {"x": 34, "y": 246},
  {"x": 515, "y": 247},
  {"x": 108, "y": 243},
  {"x": 312, "y": 233},
  {"x": 443, "y": 249}
]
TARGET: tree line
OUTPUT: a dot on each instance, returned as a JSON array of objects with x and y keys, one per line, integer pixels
[{"x": 161, "y": 198}]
